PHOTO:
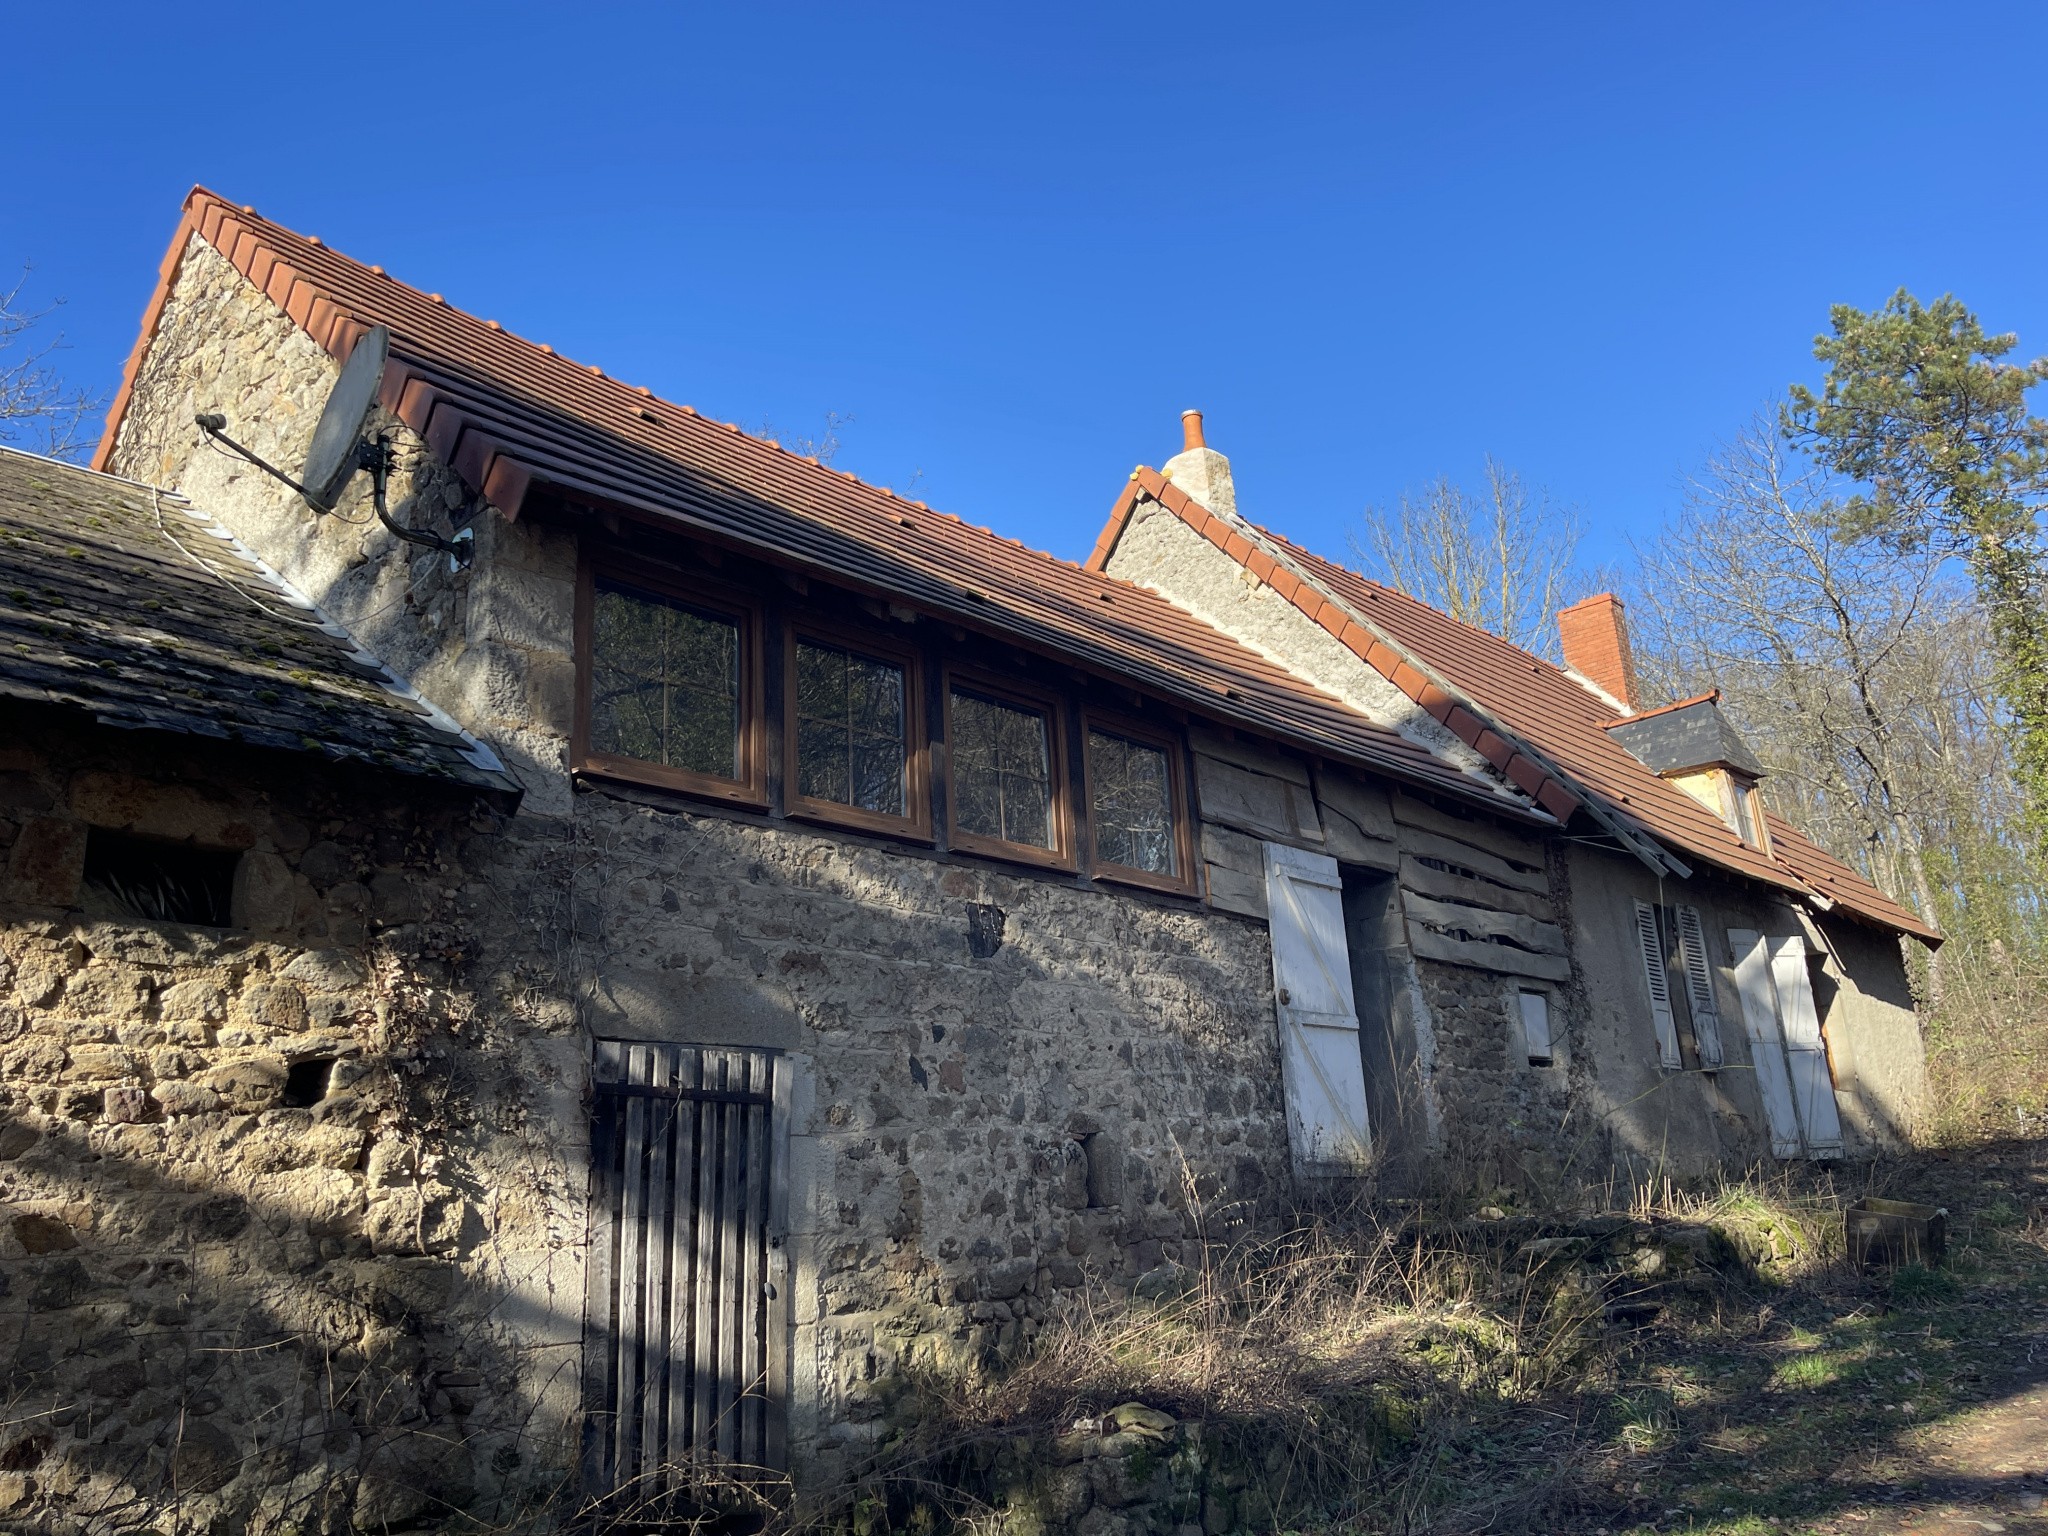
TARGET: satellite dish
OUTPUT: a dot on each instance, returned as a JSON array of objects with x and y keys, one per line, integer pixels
[
  {"x": 342, "y": 445},
  {"x": 333, "y": 459}
]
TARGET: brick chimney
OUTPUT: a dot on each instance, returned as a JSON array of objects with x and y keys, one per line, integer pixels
[
  {"x": 1200, "y": 470},
  {"x": 1595, "y": 635}
]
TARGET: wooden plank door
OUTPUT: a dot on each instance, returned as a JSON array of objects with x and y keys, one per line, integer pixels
[
  {"x": 1322, "y": 1067},
  {"x": 685, "y": 1306},
  {"x": 1813, "y": 1086},
  {"x": 1766, "y": 1040}
]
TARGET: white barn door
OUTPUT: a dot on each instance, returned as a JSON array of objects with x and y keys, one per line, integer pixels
[
  {"x": 1322, "y": 1068},
  {"x": 1813, "y": 1089},
  {"x": 1766, "y": 1041},
  {"x": 1785, "y": 1043}
]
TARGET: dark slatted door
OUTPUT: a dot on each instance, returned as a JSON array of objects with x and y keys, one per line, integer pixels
[{"x": 685, "y": 1321}]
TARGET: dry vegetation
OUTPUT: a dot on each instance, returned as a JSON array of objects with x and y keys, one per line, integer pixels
[{"x": 1701, "y": 1361}]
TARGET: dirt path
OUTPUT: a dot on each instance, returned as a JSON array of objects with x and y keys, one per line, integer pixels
[
  {"x": 1984, "y": 1470},
  {"x": 1915, "y": 1405}
]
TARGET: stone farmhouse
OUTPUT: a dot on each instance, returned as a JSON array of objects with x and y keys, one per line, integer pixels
[{"x": 480, "y": 1033}]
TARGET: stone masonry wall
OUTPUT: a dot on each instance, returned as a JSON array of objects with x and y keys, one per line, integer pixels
[
  {"x": 1008, "y": 1085},
  {"x": 1011, "y": 1089},
  {"x": 282, "y": 1206}
]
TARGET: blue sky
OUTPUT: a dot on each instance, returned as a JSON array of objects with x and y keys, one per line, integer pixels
[{"x": 1372, "y": 243}]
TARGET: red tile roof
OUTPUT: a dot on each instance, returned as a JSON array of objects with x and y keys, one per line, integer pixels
[
  {"x": 509, "y": 415},
  {"x": 1531, "y": 719}
]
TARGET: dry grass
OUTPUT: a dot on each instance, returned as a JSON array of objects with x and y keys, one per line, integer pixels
[
  {"x": 1987, "y": 1048},
  {"x": 1698, "y": 1359},
  {"x": 1373, "y": 1369}
]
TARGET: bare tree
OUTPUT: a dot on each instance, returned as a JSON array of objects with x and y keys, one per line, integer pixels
[
  {"x": 822, "y": 445},
  {"x": 1501, "y": 559},
  {"x": 38, "y": 410},
  {"x": 1855, "y": 673}
]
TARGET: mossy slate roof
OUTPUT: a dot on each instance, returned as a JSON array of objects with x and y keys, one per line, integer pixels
[{"x": 130, "y": 604}]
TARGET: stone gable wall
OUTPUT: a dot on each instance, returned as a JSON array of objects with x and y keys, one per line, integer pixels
[{"x": 1009, "y": 1087}]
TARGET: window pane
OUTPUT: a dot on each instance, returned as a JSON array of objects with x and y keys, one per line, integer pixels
[
  {"x": 1133, "y": 806},
  {"x": 1002, "y": 771},
  {"x": 851, "y": 746},
  {"x": 664, "y": 684},
  {"x": 1738, "y": 805}
]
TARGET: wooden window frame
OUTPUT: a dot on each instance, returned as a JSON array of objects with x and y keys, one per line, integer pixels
[
  {"x": 1169, "y": 743},
  {"x": 917, "y": 793},
  {"x": 1053, "y": 707},
  {"x": 751, "y": 788}
]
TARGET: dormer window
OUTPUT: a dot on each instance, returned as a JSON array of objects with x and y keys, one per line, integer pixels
[
  {"x": 1692, "y": 744},
  {"x": 1738, "y": 798}
]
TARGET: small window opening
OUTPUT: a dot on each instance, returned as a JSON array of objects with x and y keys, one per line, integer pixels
[
  {"x": 159, "y": 881},
  {"x": 1105, "y": 1178},
  {"x": 1536, "y": 1028},
  {"x": 306, "y": 1082},
  {"x": 1741, "y": 819}
]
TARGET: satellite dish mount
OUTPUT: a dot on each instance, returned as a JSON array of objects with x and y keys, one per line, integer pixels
[{"x": 343, "y": 445}]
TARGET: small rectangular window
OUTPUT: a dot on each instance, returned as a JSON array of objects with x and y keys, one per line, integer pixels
[
  {"x": 1741, "y": 817},
  {"x": 669, "y": 688},
  {"x": 666, "y": 684},
  {"x": 1130, "y": 791},
  {"x": 1536, "y": 1028},
  {"x": 157, "y": 881},
  {"x": 849, "y": 729},
  {"x": 1137, "y": 818},
  {"x": 1003, "y": 752},
  {"x": 855, "y": 747}
]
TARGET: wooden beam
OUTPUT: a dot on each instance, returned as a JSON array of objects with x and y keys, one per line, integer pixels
[
  {"x": 1508, "y": 961},
  {"x": 1481, "y": 922},
  {"x": 1425, "y": 881}
]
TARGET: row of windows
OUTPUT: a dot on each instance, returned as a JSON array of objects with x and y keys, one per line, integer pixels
[{"x": 671, "y": 693}]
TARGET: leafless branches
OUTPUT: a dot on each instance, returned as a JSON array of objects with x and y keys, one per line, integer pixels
[
  {"x": 1856, "y": 673},
  {"x": 38, "y": 411},
  {"x": 1501, "y": 559}
]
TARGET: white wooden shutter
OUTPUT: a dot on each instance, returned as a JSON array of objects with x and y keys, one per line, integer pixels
[
  {"x": 1536, "y": 1027},
  {"x": 1813, "y": 1089},
  {"x": 1699, "y": 986},
  {"x": 1658, "y": 979},
  {"x": 1322, "y": 1067},
  {"x": 1766, "y": 1041}
]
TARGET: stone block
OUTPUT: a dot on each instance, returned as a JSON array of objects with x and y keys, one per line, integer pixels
[
  {"x": 46, "y": 865},
  {"x": 271, "y": 1006},
  {"x": 327, "y": 864},
  {"x": 247, "y": 1086},
  {"x": 103, "y": 1061},
  {"x": 195, "y": 999},
  {"x": 263, "y": 896},
  {"x": 186, "y": 1098},
  {"x": 326, "y": 970},
  {"x": 179, "y": 813},
  {"x": 109, "y": 991}
]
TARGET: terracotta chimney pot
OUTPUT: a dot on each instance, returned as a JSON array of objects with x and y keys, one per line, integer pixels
[
  {"x": 1191, "y": 430},
  {"x": 1595, "y": 635}
]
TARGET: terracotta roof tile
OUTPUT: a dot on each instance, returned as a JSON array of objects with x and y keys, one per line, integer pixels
[
  {"x": 1514, "y": 694},
  {"x": 511, "y": 415}
]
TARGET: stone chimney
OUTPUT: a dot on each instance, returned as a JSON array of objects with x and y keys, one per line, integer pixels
[
  {"x": 1595, "y": 635},
  {"x": 1200, "y": 470}
]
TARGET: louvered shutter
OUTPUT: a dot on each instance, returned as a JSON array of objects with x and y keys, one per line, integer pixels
[
  {"x": 1535, "y": 1008},
  {"x": 1766, "y": 1040},
  {"x": 1322, "y": 1067},
  {"x": 1806, "y": 1054},
  {"x": 1658, "y": 978},
  {"x": 1699, "y": 986}
]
